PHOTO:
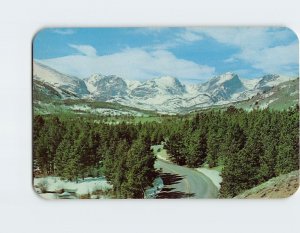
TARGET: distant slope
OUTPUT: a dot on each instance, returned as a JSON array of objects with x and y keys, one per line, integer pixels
[
  {"x": 278, "y": 187},
  {"x": 278, "y": 97},
  {"x": 44, "y": 92},
  {"x": 48, "y": 100},
  {"x": 48, "y": 75}
]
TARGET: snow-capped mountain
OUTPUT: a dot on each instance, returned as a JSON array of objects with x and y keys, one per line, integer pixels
[
  {"x": 58, "y": 80},
  {"x": 223, "y": 87},
  {"x": 106, "y": 87},
  {"x": 165, "y": 85},
  {"x": 162, "y": 94}
]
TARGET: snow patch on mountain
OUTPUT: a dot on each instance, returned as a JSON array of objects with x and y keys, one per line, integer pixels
[
  {"x": 132, "y": 84},
  {"x": 250, "y": 83},
  {"x": 224, "y": 78}
]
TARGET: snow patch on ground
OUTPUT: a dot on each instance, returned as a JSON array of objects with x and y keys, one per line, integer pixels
[
  {"x": 85, "y": 186},
  {"x": 80, "y": 107},
  {"x": 213, "y": 175},
  {"x": 104, "y": 111},
  {"x": 268, "y": 94},
  {"x": 266, "y": 104}
]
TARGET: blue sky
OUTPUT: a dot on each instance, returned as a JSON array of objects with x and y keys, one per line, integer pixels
[{"x": 190, "y": 54}]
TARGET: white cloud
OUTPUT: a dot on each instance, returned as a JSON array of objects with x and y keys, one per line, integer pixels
[
  {"x": 161, "y": 46},
  {"x": 266, "y": 49},
  {"x": 279, "y": 59},
  {"x": 188, "y": 36},
  {"x": 270, "y": 50},
  {"x": 85, "y": 49},
  {"x": 177, "y": 39},
  {"x": 230, "y": 60},
  {"x": 244, "y": 37},
  {"x": 134, "y": 64},
  {"x": 64, "y": 31},
  {"x": 149, "y": 30}
]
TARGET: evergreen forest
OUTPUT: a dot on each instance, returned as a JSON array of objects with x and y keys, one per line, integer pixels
[{"x": 250, "y": 147}]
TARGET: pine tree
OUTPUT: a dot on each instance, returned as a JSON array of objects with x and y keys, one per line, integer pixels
[
  {"x": 214, "y": 145},
  {"x": 288, "y": 148},
  {"x": 140, "y": 168},
  {"x": 235, "y": 157},
  {"x": 270, "y": 139},
  {"x": 174, "y": 146},
  {"x": 196, "y": 149}
]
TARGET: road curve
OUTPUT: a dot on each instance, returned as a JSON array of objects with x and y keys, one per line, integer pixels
[{"x": 183, "y": 182}]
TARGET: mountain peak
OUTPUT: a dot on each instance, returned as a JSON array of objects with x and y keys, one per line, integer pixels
[
  {"x": 166, "y": 77},
  {"x": 98, "y": 76},
  {"x": 94, "y": 77},
  {"x": 221, "y": 80},
  {"x": 226, "y": 77},
  {"x": 167, "y": 81},
  {"x": 165, "y": 85},
  {"x": 105, "y": 86},
  {"x": 223, "y": 86}
]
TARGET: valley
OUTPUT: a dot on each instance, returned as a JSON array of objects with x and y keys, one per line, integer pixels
[{"x": 98, "y": 132}]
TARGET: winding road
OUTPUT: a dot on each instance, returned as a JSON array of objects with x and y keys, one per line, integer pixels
[{"x": 183, "y": 182}]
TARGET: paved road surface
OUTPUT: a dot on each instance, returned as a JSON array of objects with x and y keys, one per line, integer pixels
[{"x": 183, "y": 182}]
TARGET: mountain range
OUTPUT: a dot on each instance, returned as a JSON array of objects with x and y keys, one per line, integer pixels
[{"x": 164, "y": 94}]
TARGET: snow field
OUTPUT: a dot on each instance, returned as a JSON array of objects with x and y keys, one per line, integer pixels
[{"x": 86, "y": 186}]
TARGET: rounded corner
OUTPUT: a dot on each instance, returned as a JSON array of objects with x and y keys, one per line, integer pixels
[
  {"x": 37, "y": 194},
  {"x": 37, "y": 33},
  {"x": 292, "y": 31},
  {"x": 295, "y": 191}
]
